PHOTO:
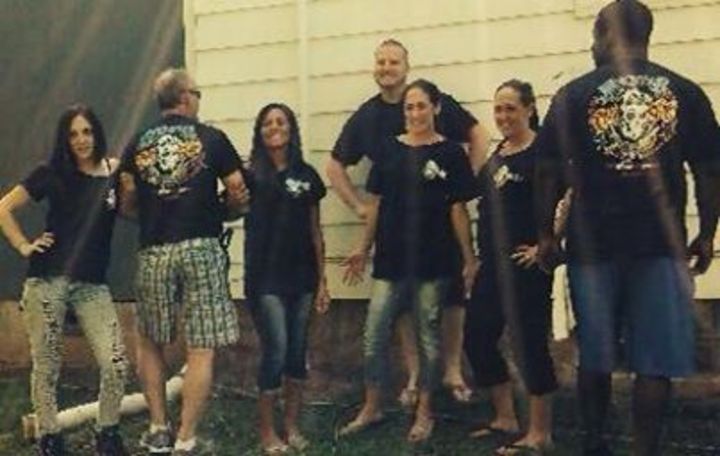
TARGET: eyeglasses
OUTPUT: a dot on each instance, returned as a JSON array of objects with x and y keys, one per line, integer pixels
[{"x": 195, "y": 92}]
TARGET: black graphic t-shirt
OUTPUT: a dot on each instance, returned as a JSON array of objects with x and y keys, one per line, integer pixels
[
  {"x": 506, "y": 217},
  {"x": 417, "y": 187},
  {"x": 81, "y": 215},
  {"x": 279, "y": 250},
  {"x": 621, "y": 135},
  {"x": 376, "y": 120},
  {"x": 176, "y": 164}
]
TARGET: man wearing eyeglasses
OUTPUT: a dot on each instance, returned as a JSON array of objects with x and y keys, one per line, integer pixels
[{"x": 169, "y": 180}]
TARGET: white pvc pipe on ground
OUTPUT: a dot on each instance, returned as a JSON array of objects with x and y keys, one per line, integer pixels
[{"x": 75, "y": 416}]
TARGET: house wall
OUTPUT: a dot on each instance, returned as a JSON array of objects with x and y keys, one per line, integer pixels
[{"x": 317, "y": 56}]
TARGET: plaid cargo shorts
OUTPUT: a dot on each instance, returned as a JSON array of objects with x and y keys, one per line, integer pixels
[{"x": 189, "y": 279}]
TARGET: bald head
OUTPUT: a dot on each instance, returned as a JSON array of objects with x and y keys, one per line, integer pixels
[
  {"x": 391, "y": 42},
  {"x": 621, "y": 27}
]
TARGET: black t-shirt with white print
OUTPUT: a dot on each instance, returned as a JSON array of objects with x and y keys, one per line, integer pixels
[
  {"x": 620, "y": 136},
  {"x": 417, "y": 187},
  {"x": 280, "y": 254},
  {"x": 81, "y": 216},
  {"x": 176, "y": 164},
  {"x": 376, "y": 120},
  {"x": 506, "y": 217}
]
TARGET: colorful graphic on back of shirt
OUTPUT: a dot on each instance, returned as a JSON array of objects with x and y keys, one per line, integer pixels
[
  {"x": 168, "y": 157},
  {"x": 632, "y": 117}
]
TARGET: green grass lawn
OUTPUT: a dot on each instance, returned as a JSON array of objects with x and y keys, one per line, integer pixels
[{"x": 694, "y": 425}]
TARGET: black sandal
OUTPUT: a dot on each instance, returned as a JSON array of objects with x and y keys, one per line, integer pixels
[
  {"x": 519, "y": 449},
  {"x": 487, "y": 431}
]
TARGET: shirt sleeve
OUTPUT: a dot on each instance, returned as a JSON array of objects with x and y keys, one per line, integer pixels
[
  {"x": 463, "y": 185},
  {"x": 553, "y": 139},
  {"x": 317, "y": 186},
  {"x": 454, "y": 121},
  {"x": 704, "y": 134},
  {"x": 38, "y": 182},
  {"x": 378, "y": 176},
  {"x": 348, "y": 148},
  {"x": 483, "y": 180},
  {"x": 554, "y": 144},
  {"x": 127, "y": 162},
  {"x": 374, "y": 182},
  {"x": 222, "y": 156}
]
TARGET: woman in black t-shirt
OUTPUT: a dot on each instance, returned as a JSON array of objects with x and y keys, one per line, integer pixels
[
  {"x": 511, "y": 289},
  {"x": 420, "y": 228},
  {"x": 67, "y": 270},
  {"x": 284, "y": 266}
]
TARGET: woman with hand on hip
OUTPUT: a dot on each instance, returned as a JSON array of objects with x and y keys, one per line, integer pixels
[
  {"x": 420, "y": 228},
  {"x": 67, "y": 272},
  {"x": 285, "y": 267},
  {"x": 511, "y": 289}
]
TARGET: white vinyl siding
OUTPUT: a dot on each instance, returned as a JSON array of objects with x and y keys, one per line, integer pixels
[{"x": 317, "y": 56}]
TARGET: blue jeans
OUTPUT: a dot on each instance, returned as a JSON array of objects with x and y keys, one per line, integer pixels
[
  {"x": 281, "y": 322},
  {"x": 649, "y": 301},
  {"x": 390, "y": 299}
]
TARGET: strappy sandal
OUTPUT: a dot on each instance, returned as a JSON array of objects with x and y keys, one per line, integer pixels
[
  {"x": 358, "y": 425},
  {"x": 460, "y": 392},
  {"x": 421, "y": 430},
  {"x": 409, "y": 397},
  {"x": 297, "y": 441}
]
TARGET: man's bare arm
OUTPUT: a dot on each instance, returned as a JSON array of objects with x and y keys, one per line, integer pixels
[
  {"x": 127, "y": 195},
  {"x": 479, "y": 146},
  {"x": 340, "y": 180},
  {"x": 237, "y": 195}
]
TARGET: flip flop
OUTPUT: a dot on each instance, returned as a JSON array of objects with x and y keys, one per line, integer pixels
[
  {"x": 519, "y": 449},
  {"x": 356, "y": 425},
  {"x": 486, "y": 431},
  {"x": 275, "y": 449}
]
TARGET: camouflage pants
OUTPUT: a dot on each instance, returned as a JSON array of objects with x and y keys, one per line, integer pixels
[{"x": 44, "y": 304}]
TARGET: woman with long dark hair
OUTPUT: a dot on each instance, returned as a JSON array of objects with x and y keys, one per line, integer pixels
[
  {"x": 419, "y": 226},
  {"x": 285, "y": 267},
  {"x": 68, "y": 262},
  {"x": 511, "y": 289}
]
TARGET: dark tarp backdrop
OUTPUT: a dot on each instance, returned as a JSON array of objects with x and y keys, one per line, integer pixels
[{"x": 102, "y": 52}]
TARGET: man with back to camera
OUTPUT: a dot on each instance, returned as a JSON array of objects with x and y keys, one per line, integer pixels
[
  {"x": 169, "y": 179},
  {"x": 382, "y": 116},
  {"x": 619, "y": 137}
]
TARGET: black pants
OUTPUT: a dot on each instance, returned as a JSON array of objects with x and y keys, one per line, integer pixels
[{"x": 506, "y": 294}]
